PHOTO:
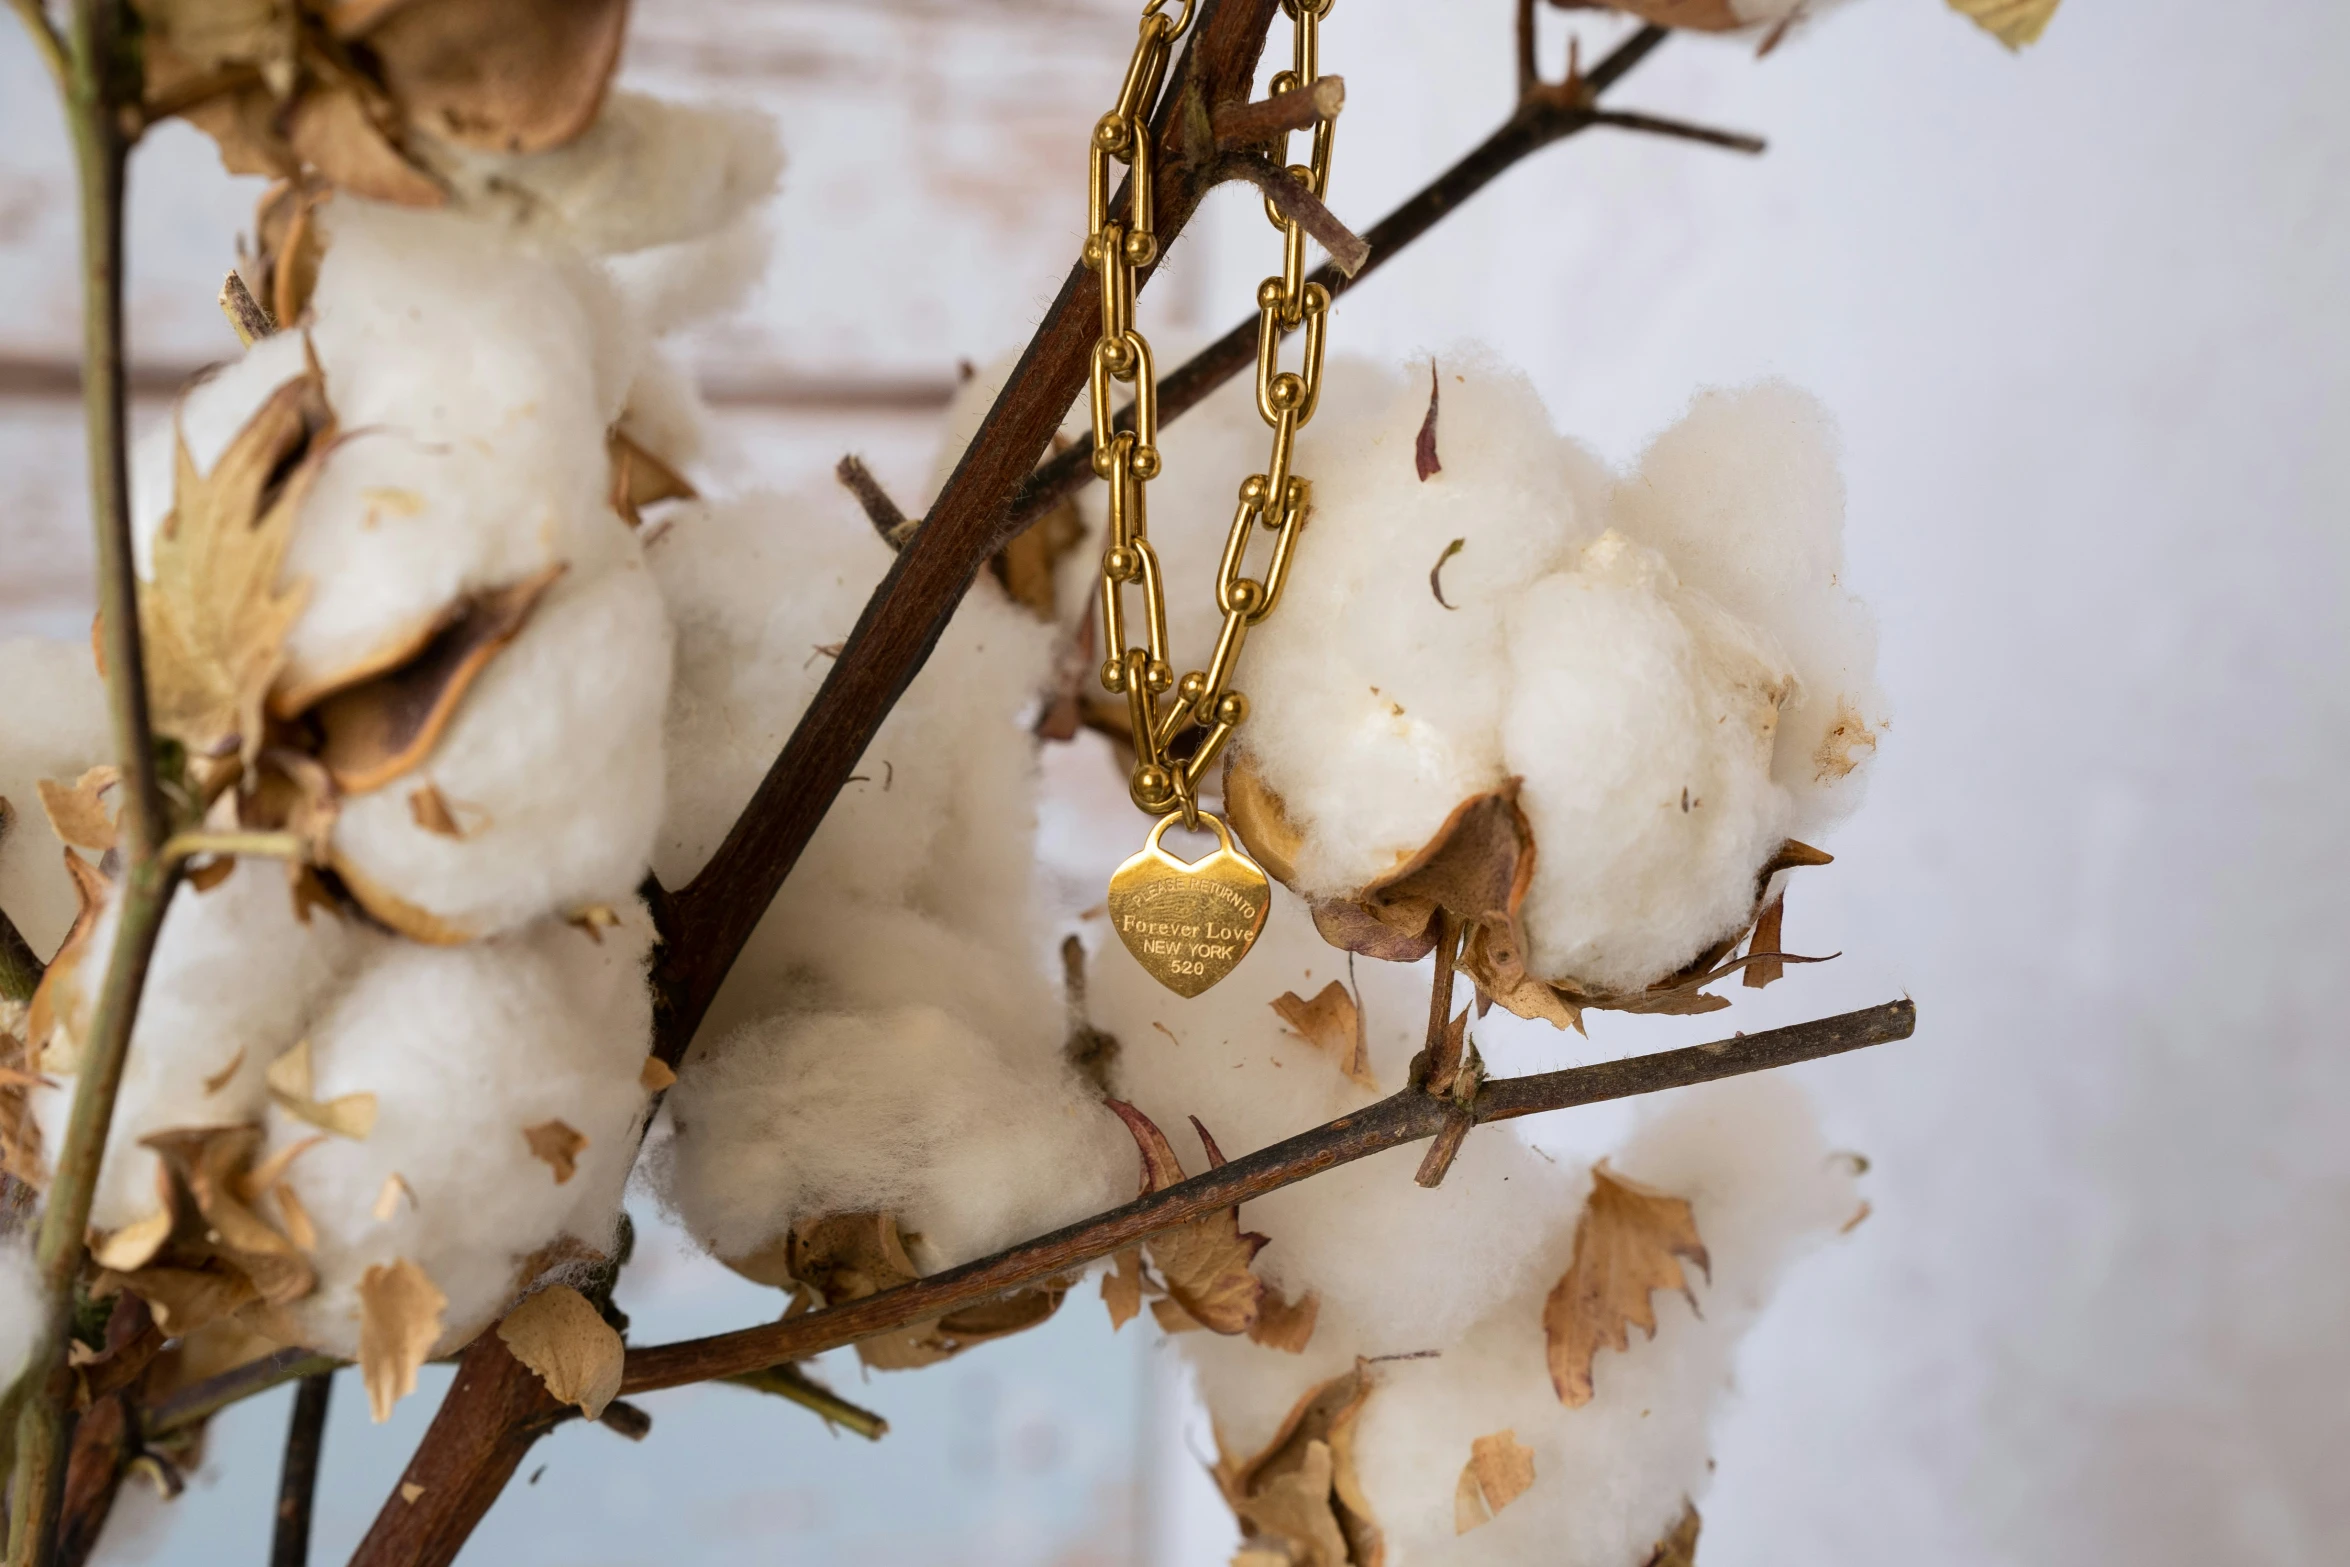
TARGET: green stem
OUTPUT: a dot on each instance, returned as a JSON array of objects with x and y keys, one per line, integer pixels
[{"x": 101, "y": 95}]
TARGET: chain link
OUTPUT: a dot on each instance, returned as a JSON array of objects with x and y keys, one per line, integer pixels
[{"x": 1177, "y": 738}]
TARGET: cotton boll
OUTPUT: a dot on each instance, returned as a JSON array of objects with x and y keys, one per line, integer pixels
[
  {"x": 53, "y": 725},
  {"x": 552, "y": 769},
  {"x": 646, "y": 173},
  {"x": 20, "y": 1304},
  {"x": 908, "y": 1111},
  {"x": 1744, "y": 497},
  {"x": 760, "y": 589},
  {"x": 672, "y": 286},
  {"x": 464, "y": 1048},
  {"x": 1377, "y": 708},
  {"x": 1641, "y": 719},
  {"x": 235, "y": 981},
  {"x": 1227, "y": 1057},
  {"x": 1612, "y": 1476}
]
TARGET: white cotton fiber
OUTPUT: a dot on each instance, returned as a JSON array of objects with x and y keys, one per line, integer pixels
[
  {"x": 762, "y": 591},
  {"x": 52, "y": 725},
  {"x": 646, "y": 173},
  {"x": 552, "y": 769},
  {"x": 1377, "y": 709},
  {"x": 1227, "y": 1057},
  {"x": 1641, "y": 718},
  {"x": 1625, "y": 648},
  {"x": 463, "y": 1049},
  {"x": 20, "y": 1304},
  {"x": 1611, "y": 1477},
  {"x": 1744, "y": 496},
  {"x": 908, "y": 1111},
  {"x": 236, "y": 979}
]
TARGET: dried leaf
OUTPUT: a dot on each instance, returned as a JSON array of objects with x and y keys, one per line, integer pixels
[
  {"x": 655, "y": 1076},
  {"x": 1678, "y": 1548},
  {"x": 261, "y": 1177},
  {"x": 1205, "y": 1263},
  {"x": 1283, "y": 1326},
  {"x": 849, "y": 1256},
  {"x": 288, "y": 247},
  {"x": 1301, "y": 1493},
  {"x": 226, "y": 1075},
  {"x": 1424, "y": 460},
  {"x": 399, "y": 1322},
  {"x": 594, "y": 920},
  {"x": 1122, "y": 1288},
  {"x": 288, "y": 1077},
  {"x": 214, "y": 614},
  {"x": 60, "y": 991},
  {"x": 1436, "y": 572},
  {"x": 1850, "y": 734},
  {"x": 335, "y": 129},
  {"x": 417, "y": 924},
  {"x": 76, "y": 812},
  {"x": 1769, "y": 932},
  {"x": 1254, "y": 811},
  {"x": 1499, "y": 1471},
  {"x": 518, "y": 76},
  {"x": 640, "y": 479},
  {"x": 184, "y": 1300},
  {"x": 556, "y": 1145},
  {"x": 133, "y": 1246},
  {"x": 1333, "y": 1024},
  {"x": 1030, "y": 561},
  {"x": 559, "y": 1334},
  {"x": 410, "y": 1491},
  {"x": 1630, "y": 1243},
  {"x": 2015, "y": 23},
  {"x": 386, "y": 726},
  {"x": 299, "y": 1228},
  {"x": 429, "y": 808},
  {"x": 387, "y": 1198}
]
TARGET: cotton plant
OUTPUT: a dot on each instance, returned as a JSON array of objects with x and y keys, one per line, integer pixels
[{"x": 519, "y": 808}]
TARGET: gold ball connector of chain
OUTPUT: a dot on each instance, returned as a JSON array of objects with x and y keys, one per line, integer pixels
[
  {"x": 1145, "y": 462},
  {"x": 1246, "y": 595},
  {"x": 1232, "y": 708},
  {"x": 1141, "y": 249},
  {"x": 1192, "y": 687},
  {"x": 1120, "y": 562},
  {"x": 1109, "y": 133},
  {"x": 1152, "y": 787},
  {"x": 1114, "y": 677},
  {"x": 1272, "y": 296},
  {"x": 1253, "y": 488},
  {"x": 1158, "y": 677},
  {"x": 1287, "y": 391}
]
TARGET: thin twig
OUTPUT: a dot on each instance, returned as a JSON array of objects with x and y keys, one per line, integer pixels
[
  {"x": 1684, "y": 130},
  {"x": 1301, "y": 206},
  {"x": 101, "y": 82},
  {"x": 1538, "y": 121},
  {"x": 894, "y": 526},
  {"x": 200, "y": 1401},
  {"x": 789, "y": 1381},
  {"x": 47, "y": 42},
  {"x": 1402, "y": 1118},
  {"x": 1247, "y": 125},
  {"x": 298, "y": 1480}
]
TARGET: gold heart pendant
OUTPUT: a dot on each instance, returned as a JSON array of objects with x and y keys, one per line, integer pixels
[{"x": 1189, "y": 924}]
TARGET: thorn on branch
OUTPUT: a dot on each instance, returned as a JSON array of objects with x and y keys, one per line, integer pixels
[
  {"x": 1299, "y": 205},
  {"x": 1242, "y": 126},
  {"x": 894, "y": 526},
  {"x": 626, "y": 1419},
  {"x": 789, "y": 1381},
  {"x": 1683, "y": 130}
]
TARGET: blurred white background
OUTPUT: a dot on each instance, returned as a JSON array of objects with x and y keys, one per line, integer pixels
[{"x": 2080, "y": 315}]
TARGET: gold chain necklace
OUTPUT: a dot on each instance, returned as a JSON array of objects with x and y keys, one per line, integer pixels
[{"x": 1189, "y": 924}]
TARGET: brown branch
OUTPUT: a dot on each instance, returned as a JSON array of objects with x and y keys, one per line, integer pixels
[
  {"x": 1249, "y": 125},
  {"x": 1659, "y": 125},
  {"x": 495, "y": 1412},
  {"x": 1301, "y": 206},
  {"x": 1543, "y": 118},
  {"x": 894, "y": 526},
  {"x": 200, "y": 1401},
  {"x": 714, "y": 916},
  {"x": 297, "y": 1484},
  {"x": 1403, "y": 1118}
]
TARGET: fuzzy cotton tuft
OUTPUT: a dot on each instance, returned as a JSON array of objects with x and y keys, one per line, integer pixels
[
  {"x": 1610, "y": 1477},
  {"x": 54, "y": 726},
  {"x": 20, "y": 1304},
  {"x": 1622, "y": 647},
  {"x": 465, "y": 1049}
]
